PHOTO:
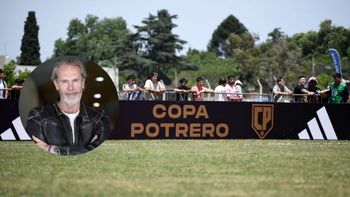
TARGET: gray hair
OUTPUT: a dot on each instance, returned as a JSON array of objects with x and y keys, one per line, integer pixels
[{"x": 69, "y": 61}]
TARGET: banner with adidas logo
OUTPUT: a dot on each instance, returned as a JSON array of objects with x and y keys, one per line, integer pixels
[{"x": 211, "y": 120}]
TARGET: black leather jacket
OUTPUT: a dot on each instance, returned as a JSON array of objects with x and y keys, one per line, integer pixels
[{"x": 51, "y": 125}]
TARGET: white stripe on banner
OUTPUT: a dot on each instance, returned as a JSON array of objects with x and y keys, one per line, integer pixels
[
  {"x": 315, "y": 129},
  {"x": 21, "y": 132},
  {"x": 326, "y": 124},
  {"x": 304, "y": 135},
  {"x": 8, "y": 135}
]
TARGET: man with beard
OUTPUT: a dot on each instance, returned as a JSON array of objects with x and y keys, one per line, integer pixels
[
  {"x": 300, "y": 91},
  {"x": 68, "y": 127}
]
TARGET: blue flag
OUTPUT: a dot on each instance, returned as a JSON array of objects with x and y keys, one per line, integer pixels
[{"x": 336, "y": 60}]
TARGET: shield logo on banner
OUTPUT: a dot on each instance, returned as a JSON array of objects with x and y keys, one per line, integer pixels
[{"x": 262, "y": 119}]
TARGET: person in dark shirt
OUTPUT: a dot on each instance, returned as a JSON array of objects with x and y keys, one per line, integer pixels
[
  {"x": 16, "y": 88},
  {"x": 312, "y": 87},
  {"x": 301, "y": 89},
  {"x": 182, "y": 90},
  {"x": 68, "y": 127}
]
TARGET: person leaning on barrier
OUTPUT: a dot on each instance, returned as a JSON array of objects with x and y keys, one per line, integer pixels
[
  {"x": 280, "y": 91},
  {"x": 3, "y": 85},
  {"x": 130, "y": 90},
  {"x": 219, "y": 91},
  {"x": 16, "y": 88},
  {"x": 312, "y": 87},
  {"x": 299, "y": 89},
  {"x": 238, "y": 84},
  {"x": 182, "y": 90},
  {"x": 198, "y": 90},
  {"x": 154, "y": 87},
  {"x": 68, "y": 127},
  {"x": 231, "y": 91},
  {"x": 337, "y": 90}
]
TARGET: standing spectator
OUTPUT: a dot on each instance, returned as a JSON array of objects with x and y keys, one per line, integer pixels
[
  {"x": 281, "y": 92},
  {"x": 231, "y": 91},
  {"x": 220, "y": 90},
  {"x": 337, "y": 90},
  {"x": 16, "y": 88},
  {"x": 182, "y": 90},
  {"x": 312, "y": 87},
  {"x": 301, "y": 89},
  {"x": 3, "y": 85},
  {"x": 130, "y": 90},
  {"x": 154, "y": 87},
  {"x": 238, "y": 84},
  {"x": 199, "y": 90}
]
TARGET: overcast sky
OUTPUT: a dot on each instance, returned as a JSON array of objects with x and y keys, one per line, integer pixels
[{"x": 197, "y": 19}]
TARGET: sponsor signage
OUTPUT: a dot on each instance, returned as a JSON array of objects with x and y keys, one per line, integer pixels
[
  {"x": 262, "y": 119},
  {"x": 212, "y": 120}
]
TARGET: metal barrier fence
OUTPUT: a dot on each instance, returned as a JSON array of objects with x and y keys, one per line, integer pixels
[
  {"x": 170, "y": 95},
  {"x": 10, "y": 93}
]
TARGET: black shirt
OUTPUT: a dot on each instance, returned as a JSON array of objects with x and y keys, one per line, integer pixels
[{"x": 182, "y": 96}]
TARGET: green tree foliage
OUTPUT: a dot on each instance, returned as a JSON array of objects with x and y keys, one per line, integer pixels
[
  {"x": 219, "y": 43},
  {"x": 98, "y": 40},
  {"x": 154, "y": 47},
  {"x": 11, "y": 75},
  {"x": 315, "y": 45},
  {"x": 211, "y": 67},
  {"x": 30, "y": 48}
]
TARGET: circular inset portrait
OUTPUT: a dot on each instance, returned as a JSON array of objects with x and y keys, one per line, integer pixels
[{"x": 68, "y": 105}]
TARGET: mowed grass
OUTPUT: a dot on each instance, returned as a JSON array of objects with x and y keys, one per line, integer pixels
[{"x": 180, "y": 168}]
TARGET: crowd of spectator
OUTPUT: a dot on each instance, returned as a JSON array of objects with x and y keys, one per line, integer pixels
[
  {"x": 230, "y": 89},
  {"x": 12, "y": 92}
]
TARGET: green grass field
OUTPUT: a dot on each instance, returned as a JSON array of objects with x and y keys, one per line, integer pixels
[{"x": 180, "y": 168}]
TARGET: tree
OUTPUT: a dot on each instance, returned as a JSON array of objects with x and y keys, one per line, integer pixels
[
  {"x": 219, "y": 43},
  {"x": 156, "y": 47},
  {"x": 277, "y": 34},
  {"x": 206, "y": 61},
  {"x": 11, "y": 75},
  {"x": 97, "y": 40},
  {"x": 30, "y": 49}
]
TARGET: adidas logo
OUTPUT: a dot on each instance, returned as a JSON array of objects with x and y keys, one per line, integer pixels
[
  {"x": 21, "y": 132},
  {"x": 320, "y": 127}
]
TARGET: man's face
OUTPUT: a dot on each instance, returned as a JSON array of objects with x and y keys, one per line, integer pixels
[
  {"x": 131, "y": 81},
  {"x": 69, "y": 84},
  {"x": 200, "y": 83},
  {"x": 231, "y": 81},
  {"x": 337, "y": 80},
  {"x": 302, "y": 81},
  {"x": 281, "y": 82}
]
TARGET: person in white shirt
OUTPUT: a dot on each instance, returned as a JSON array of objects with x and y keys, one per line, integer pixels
[
  {"x": 220, "y": 90},
  {"x": 281, "y": 93},
  {"x": 154, "y": 87},
  {"x": 3, "y": 85},
  {"x": 130, "y": 89},
  {"x": 238, "y": 84}
]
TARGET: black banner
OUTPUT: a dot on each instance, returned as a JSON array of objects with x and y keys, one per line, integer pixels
[
  {"x": 213, "y": 120},
  {"x": 231, "y": 120}
]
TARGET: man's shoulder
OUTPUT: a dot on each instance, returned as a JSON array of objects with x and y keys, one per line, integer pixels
[
  {"x": 94, "y": 112},
  {"x": 183, "y": 88},
  {"x": 42, "y": 111}
]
